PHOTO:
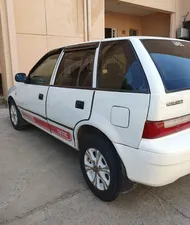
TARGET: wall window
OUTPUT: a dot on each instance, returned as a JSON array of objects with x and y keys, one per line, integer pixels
[
  {"x": 42, "y": 74},
  {"x": 119, "y": 68},
  {"x": 110, "y": 33},
  {"x": 76, "y": 69},
  {"x": 133, "y": 32}
]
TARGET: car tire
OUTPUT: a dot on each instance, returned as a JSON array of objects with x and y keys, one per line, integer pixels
[
  {"x": 104, "y": 180},
  {"x": 15, "y": 116}
]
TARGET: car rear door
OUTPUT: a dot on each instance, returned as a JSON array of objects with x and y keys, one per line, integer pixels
[
  {"x": 122, "y": 96},
  {"x": 31, "y": 98},
  {"x": 70, "y": 97}
]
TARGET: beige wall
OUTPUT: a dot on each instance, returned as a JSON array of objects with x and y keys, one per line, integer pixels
[
  {"x": 42, "y": 25},
  {"x": 183, "y": 6},
  {"x": 30, "y": 28},
  {"x": 8, "y": 51},
  {"x": 157, "y": 24},
  {"x": 166, "y": 5},
  {"x": 177, "y": 8},
  {"x": 97, "y": 19},
  {"x": 121, "y": 22}
]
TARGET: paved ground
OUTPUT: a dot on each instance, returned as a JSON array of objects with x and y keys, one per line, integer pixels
[{"x": 41, "y": 184}]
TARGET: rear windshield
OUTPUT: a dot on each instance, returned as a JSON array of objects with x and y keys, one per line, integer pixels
[{"x": 172, "y": 59}]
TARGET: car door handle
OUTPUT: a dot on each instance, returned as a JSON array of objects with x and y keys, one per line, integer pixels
[
  {"x": 79, "y": 104},
  {"x": 40, "y": 96}
]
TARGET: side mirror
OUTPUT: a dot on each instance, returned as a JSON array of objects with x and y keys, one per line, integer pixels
[{"x": 20, "y": 77}]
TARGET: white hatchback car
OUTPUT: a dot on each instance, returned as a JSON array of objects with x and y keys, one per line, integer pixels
[{"x": 123, "y": 103}]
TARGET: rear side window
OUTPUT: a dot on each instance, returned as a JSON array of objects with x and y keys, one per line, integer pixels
[
  {"x": 172, "y": 59},
  {"x": 76, "y": 69},
  {"x": 119, "y": 69}
]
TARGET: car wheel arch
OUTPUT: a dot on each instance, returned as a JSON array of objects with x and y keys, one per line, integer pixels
[
  {"x": 89, "y": 128},
  {"x": 10, "y": 98},
  {"x": 85, "y": 128}
]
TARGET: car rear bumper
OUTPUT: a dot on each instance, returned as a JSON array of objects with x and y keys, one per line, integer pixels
[{"x": 157, "y": 162}]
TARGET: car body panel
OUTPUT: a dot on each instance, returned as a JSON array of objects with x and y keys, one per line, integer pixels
[
  {"x": 102, "y": 107},
  {"x": 61, "y": 105},
  {"x": 28, "y": 98},
  {"x": 153, "y": 162}
]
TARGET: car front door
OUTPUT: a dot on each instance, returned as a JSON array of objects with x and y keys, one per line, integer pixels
[
  {"x": 32, "y": 95},
  {"x": 70, "y": 98}
]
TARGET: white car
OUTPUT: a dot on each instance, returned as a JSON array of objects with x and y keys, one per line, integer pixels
[{"x": 123, "y": 103}]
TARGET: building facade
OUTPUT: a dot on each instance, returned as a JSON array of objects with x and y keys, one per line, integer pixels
[{"x": 30, "y": 28}]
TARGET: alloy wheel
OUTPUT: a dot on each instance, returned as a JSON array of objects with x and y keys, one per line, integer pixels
[
  {"x": 14, "y": 116},
  {"x": 97, "y": 169}
]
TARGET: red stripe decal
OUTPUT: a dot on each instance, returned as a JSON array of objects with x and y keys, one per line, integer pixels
[
  {"x": 42, "y": 123},
  {"x": 57, "y": 131},
  {"x": 37, "y": 121},
  {"x": 61, "y": 133},
  {"x": 28, "y": 116}
]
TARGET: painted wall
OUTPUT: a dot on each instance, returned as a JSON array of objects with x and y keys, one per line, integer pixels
[
  {"x": 166, "y": 5},
  {"x": 42, "y": 25},
  {"x": 157, "y": 24},
  {"x": 7, "y": 44},
  {"x": 183, "y": 6},
  {"x": 30, "y": 28},
  {"x": 97, "y": 19},
  {"x": 179, "y": 7},
  {"x": 122, "y": 22}
]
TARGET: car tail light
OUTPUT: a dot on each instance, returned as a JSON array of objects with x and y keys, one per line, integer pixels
[{"x": 163, "y": 128}]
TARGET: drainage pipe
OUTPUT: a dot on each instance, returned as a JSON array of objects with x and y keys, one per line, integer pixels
[{"x": 85, "y": 4}]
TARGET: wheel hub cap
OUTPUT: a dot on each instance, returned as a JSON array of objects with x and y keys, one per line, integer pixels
[
  {"x": 97, "y": 169},
  {"x": 14, "y": 117}
]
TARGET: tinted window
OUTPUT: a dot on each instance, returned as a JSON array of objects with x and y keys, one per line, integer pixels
[
  {"x": 172, "y": 59},
  {"x": 76, "y": 69},
  {"x": 119, "y": 68},
  {"x": 42, "y": 74}
]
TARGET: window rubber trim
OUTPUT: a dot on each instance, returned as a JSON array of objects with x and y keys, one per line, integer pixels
[{"x": 79, "y": 47}]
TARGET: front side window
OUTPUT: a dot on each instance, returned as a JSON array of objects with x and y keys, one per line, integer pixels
[
  {"x": 172, "y": 59},
  {"x": 119, "y": 68},
  {"x": 42, "y": 74},
  {"x": 76, "y": 69}
]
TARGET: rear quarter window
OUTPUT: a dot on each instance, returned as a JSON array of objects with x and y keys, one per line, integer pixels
[
  {"x": 172, "y": 60},
  {"x": 119, "y": 68}
]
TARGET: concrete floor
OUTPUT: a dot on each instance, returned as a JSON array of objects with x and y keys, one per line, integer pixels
[{"x": 41, "y": 184}]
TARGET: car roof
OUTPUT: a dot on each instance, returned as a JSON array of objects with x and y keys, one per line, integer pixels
[
  {"x": 94, "y": 44},
  {"x": 140, "y": 38}
]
